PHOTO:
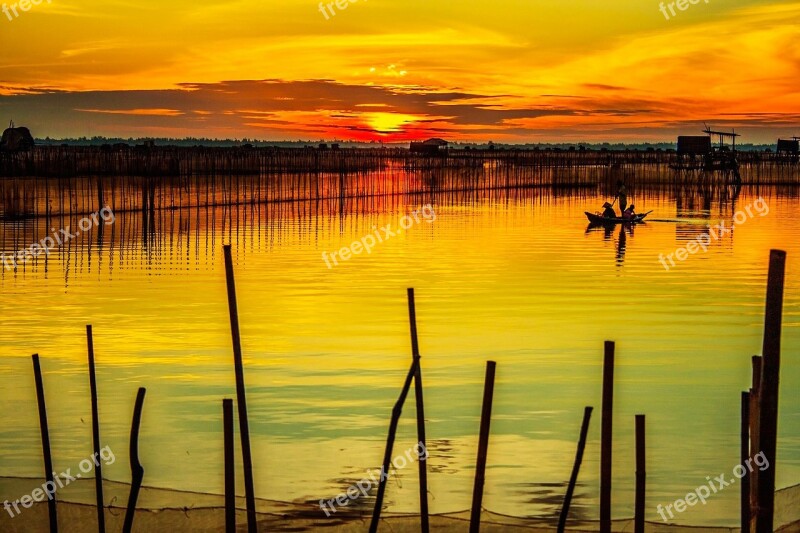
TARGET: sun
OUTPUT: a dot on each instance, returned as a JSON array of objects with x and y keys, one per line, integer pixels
[{"x": 386, "y": 123}]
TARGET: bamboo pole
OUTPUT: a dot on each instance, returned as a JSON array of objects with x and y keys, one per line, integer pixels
[
  {"x": 744, "y": 455},
  {"x": 387, "y": 456},
  {"x": 230, "y": 469},
  {"x": 137, "y": 471},
  {"x": 755, "y": 393},
  {"x": 606, "y": 438},
  {"x": 770, "y": 381},
  {"x": 48, "y": 459},
  {"x": 98, "y": 473},
  {"x": 573, "y": 479},
  {"x": 483, "y": 448},
  {"x": 241, "y": 401},
  {"x": 422, "y": 444},
  {"x": 641, "y": 476}
]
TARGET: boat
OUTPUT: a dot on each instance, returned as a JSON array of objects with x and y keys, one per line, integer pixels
[{"x": 600, "y": 220}]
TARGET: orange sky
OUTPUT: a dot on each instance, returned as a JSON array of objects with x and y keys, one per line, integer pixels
[{"x": 391, "y": 70}]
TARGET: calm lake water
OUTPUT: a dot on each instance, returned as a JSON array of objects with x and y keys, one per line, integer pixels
[{"x": 511, "y": 276}]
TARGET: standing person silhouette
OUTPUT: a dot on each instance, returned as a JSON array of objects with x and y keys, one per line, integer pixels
[{"x": 622, "y": 194}]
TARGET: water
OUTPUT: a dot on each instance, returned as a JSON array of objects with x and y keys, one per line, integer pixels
[{"x": 511, "y": 276}]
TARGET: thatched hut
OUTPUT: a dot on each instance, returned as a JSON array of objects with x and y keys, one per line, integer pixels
[
  {"x": 432, "y": 146},
  {"x": 16, "y": 139}
]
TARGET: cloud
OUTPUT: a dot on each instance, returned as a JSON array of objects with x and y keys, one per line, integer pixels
[
  {"x": 137, "y": 112},
  {"x": 510, "y": 69},
  {"x": 260, "y": 108},
  {"x": 329, "y": 109}
]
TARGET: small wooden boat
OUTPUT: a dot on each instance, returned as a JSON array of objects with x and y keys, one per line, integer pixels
[{"x": 599, "y": 220}]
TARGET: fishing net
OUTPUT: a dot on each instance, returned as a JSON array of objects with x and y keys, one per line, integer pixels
[{"x": 163, "y": 510}]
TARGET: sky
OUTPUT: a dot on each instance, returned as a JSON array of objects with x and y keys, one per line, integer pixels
[{"x": 390, "y": 70}]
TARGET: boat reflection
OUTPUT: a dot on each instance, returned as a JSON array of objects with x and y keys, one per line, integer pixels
[{"x": 625, "y": 230}]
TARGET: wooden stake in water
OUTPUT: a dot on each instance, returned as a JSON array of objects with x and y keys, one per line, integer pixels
[
  {"x": 755, "y": 394},
  {"x": 770, "y": 380},
  {"x": 483, "y": 448},
  {"x": 744, "y": 455},
  {"x": 397, "y": 410},
  {"x": 137, "y": 471},
  {"x": 48, "y": 459},
  {"x": 230, "y": 469},
  {"x": 641, "y": 476},
  {"x": 573, "y": 479},
  {"x": 606, "y": 438},
  {"x": 98, "y": 473},
  {"x": 422, "y": 444},
  {"x": 241, "y": 400}
]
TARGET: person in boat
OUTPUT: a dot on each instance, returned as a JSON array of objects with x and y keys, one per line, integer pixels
[
  {"x": 622, "y": 195},
  {"x": 608, "y": 211},
  {"x": 629, "y": 213}
]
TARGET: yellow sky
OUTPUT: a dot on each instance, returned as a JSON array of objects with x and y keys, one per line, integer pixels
[{"x": 506, "y": 70}]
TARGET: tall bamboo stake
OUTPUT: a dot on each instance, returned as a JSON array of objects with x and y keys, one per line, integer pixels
[
  {"x": 397, "y": 410},
  {"x": 241, "y": 401},
  {"x": 483, "y": 448},
  {"x": 606, "y": 438},
  {"x": 98, "y": 473},
  {"x": 641, "y": 476},
  {"x": 770, "y": 381},
  {"x": 422, "y": 444},
  {"x": 755, "y": 394},
  {"x": 230, "y": 469},
  {"x": 137, "y": 471},
  {"x": 48, "y": 459},
  {"x": 573, "y": 479},
  {"x": 744, "y": 455}
]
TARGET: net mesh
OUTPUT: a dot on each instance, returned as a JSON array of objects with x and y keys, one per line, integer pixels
[{"x": 172, "y": 511}]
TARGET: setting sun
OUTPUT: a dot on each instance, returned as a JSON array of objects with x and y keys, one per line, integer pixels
[{"x": 386, "y": 123}]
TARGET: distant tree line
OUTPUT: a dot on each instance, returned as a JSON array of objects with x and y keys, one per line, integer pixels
[{"x": 197, "y": 141}]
